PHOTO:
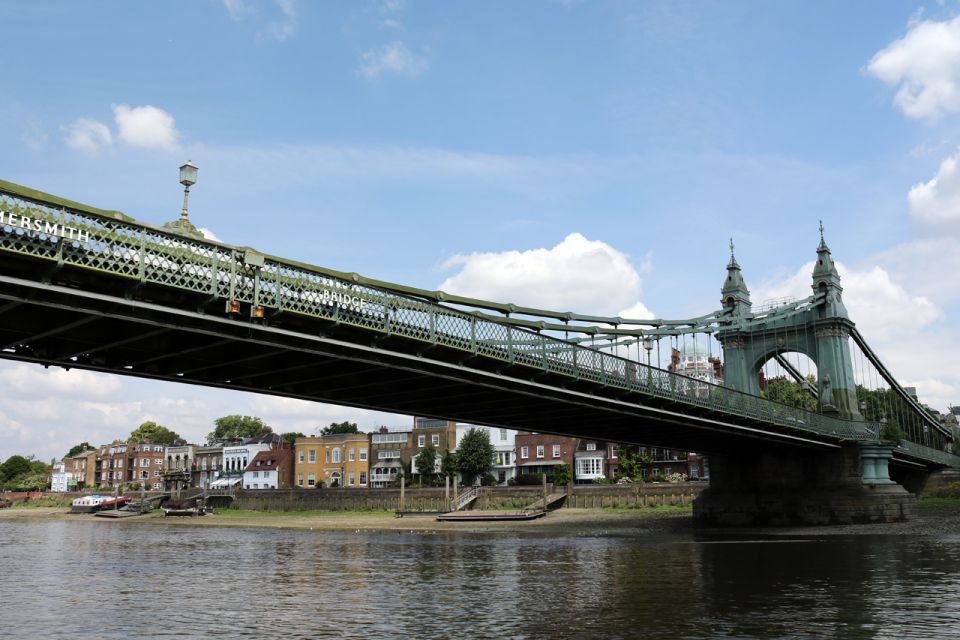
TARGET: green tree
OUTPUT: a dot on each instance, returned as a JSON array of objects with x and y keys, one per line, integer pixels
[
  {"x": 235, "y": 427},
  {"x": 155, "y": 433},
  {"x": 790, "y": 392},
  {"x": 340, "y": 427},
  {"x": 448, "y": 466},
  {"x": 475, "y": 455},
  {"x": 630, "y": 462},
  {"x": 13, "y": 467},
  {"x": 427, "y": 462},
  {"x": 561, "y": 475},
  {"x": 291, "y": 436},
  {"x": 79, "y": 448}
]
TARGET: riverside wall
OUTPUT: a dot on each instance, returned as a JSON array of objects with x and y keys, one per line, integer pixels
[{"x": 433, "y": 499}]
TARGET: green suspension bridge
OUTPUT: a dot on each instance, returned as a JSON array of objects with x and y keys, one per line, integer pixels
[{"x": 93, "y": 289}]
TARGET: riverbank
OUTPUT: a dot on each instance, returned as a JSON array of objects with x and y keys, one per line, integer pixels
[{"x": 936, "y": 516}]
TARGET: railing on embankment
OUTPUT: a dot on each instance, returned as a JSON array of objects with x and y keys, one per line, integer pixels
[
  {"x": 433, "y": 500},
  {"x": 71, "y": 234}
]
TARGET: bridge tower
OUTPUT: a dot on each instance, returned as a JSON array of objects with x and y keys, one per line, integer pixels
[{"x": 822, "y": 334}]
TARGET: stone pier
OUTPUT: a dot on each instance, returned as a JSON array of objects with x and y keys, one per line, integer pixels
[{"x": 779, "y": 488}]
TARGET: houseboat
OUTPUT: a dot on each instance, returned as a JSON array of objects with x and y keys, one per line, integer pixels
[{"x": 91, "y": 504}]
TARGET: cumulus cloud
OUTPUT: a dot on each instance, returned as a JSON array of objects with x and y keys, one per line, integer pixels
[
  {"x": 87, "y": 136},
  {"x": 881, "y": 308},
  {"x": 394, "y": 57},
  {"x": 587, "y": 276},
  {"x": 925, "y": 66},
  {"x": 146, "y": 126},
  {"x": 937, "y": 202},
  {"x": 31, "y": 381}
]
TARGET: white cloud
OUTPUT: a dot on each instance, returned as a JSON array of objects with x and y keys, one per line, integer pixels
[
  {"x": 937, "y": 202},
  {"x": 87, "y": 136},
  {"x": 32, "y": 381},
  {"x": 880, "y": 308},
  {"x": 146, "y": 126},
  {"x": 578, "y": 274},
  {"x": 286, "y": 26},
  {"x": 911, "y": 261},
  {"x": 392, "y": 58},
  {"x": 238, "y": 9},
  {"x": 925, "y": 65}
]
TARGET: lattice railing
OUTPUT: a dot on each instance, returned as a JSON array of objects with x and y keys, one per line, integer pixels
[{"x": 132, "y": 250}]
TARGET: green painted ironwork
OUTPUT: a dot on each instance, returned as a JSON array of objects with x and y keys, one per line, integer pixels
[{"x": 51, "y": 229}]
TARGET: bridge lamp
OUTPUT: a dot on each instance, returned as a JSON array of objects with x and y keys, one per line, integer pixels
[
  {"x": 188, "y": 178},
  {"x": 648, "y": 345}
]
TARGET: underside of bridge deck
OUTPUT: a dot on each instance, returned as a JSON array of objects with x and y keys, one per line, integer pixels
[{"x": 79, "y": 319}]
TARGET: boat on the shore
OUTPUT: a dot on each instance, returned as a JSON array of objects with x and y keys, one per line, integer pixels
[
  {"x": 188, "y": 507},
  {"x": 94, "y": 503}
]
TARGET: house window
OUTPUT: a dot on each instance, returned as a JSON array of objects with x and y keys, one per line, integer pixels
[
  {"x": 388, "y": 454},
  {"x": 363, "y": 453},
  {"x": 300, "y": 457},
  {"x": 336, "y": 455},
  {"x": 256, "y": 474},
  {"x": 144, "y": 462},
  {"x": 503, "y": 434},
  {"x": 158, "y": 449},
  {"x": 435, "y": 439},
  {"x": 352, "y": 454},
  {"x": 311, "y": 480},
  {"x": 539, "y": 450},
  {"x": 613, "y": 451},
  {"x": 363, "y": 478},
  {"x": 524, "y": 452},
  {"x": 312, "y": 455},
  {"x": 352, "y": 478},
  {"x": 157, "y": 486},
  {"x": 156, "y": 474},
  {"x": 299, "y": 479},
  {"x": 144, "y": 475},
  {"x": 421, "y": 441},
  {"x": 556, "y": 451},
  {"x": 591, "y": 446}
]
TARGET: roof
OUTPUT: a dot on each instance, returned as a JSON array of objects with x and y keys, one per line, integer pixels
[{"x": 271, "y": 459}]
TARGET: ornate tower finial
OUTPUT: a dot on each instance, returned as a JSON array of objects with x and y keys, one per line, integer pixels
[
  {"x": 823, "y": 242},
  {"x": 731, "y": 247}
]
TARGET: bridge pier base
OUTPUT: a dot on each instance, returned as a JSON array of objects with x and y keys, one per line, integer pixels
[{"x": 789, "y": 488}]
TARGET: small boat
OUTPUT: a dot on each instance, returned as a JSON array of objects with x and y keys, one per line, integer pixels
[
  {"x": 94, "y": 503},
  {"x": 188, "y": 507}
]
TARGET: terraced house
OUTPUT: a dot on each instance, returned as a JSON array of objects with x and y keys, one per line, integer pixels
[{"x": 336, "y": 460}]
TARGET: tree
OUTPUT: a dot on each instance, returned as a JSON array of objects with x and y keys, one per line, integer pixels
[
  {"x": 340, "y": 427},
  {"x": 237, "y": 427},
  {"x": 291, "y": 436},
  {"x": 561, "y": 475},
  {"x": 158, "y": 434},
  {"x": 789, "y": 392},
  {"x": 475, "y": 455},
  {"x": 79, "y": 448},
  {"x": 427, "y": 461},
  {"x": 630, "y": 463},
  {"x": 14, "y": 466},
  {"x": 448, "y": 466}
]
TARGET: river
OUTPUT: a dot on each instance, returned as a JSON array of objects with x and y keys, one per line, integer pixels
[{"x": 86, "y": 579}]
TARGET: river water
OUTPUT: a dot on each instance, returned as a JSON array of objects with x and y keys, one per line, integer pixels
[{"x": 82, "y": 579}]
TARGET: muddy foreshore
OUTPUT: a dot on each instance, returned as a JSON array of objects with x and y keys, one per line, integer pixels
[{"x": 932, "y": 520}]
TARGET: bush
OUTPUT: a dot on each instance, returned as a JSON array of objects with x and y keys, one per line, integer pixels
[
  {"x": 949, "y": 490},
  {"x": 529, "y": 479}
]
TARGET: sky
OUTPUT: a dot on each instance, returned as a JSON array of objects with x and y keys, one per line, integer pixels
[{"x": 575, "y": 155}]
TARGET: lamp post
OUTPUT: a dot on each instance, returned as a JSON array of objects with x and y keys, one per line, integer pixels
[
  {"x": 648, "y": 345},
  {"x": 188, "y": 177}
]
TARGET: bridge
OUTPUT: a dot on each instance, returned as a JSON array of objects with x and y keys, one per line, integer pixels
[{"x": 94, "y": 289}]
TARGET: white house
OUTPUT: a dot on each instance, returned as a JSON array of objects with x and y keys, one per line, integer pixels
[{"x": 60, "y": 478}]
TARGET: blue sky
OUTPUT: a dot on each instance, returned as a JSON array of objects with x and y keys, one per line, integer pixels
[{"x": 480, "y": 145}]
